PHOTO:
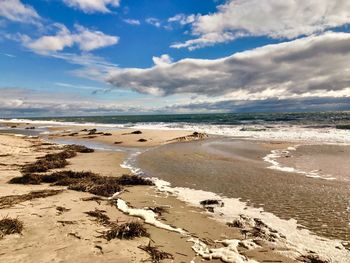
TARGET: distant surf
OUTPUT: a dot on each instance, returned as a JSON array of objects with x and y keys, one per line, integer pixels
[{"x": 329, "y": 127}]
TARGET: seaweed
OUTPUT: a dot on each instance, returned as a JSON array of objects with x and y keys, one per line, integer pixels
[
  {"x": 61, "y": 209},
  {"x": 312, "y": 258},
  {"x": 26, "y": 179},
  {"x": 92, "y": 131},
  {"x": 156, "y": 254},
  {"x": 136, "y": 132},
  {"x": 158, "y": 210},
  {"x": 55, "y": 160},
  {"x": 83, "y": 181},
  {"x": 99, "y": 216},
  {"x": 236, "y": 223},
  {"x": 11, "y": 200},
  {"x": 343, "y": 126},
  {"x": 211, "y": 202},
  {"x": 134, "y": 180},
  {"x": 126, "y": 231},
  {"x": 79, "y": 148},
  {"x": 9, "y": 226}
]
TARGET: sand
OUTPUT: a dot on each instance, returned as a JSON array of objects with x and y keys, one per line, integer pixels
[
  {"x": 45, "y": 239},
  {"x": 123, "y": 137}
]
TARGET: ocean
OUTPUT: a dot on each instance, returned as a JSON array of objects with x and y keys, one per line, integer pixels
[
  {"x": 314, "y": 118},
  {"x": 329, "y": 127}
]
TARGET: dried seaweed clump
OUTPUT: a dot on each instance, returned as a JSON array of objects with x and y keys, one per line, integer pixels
[
  {"x": 55, "y": 160},
  {"x": 83, "y": 181},
  {"x": 238, "y": 223},
  {"x": 156, "y": 254},
  {"x": 312, "y": 258},
  {"x": 9, "y": 226},
  {"x": 126, "y": 231},
  {"x": 26, "y": 179},
  {"x": 210, "y": 202},
  {"x": 50, "y": 161},
  {"x": 134, "y": 180},
  {"x": 99, "y": 216},
  {"x": 79, "y": 148},
  {"x": 158, "y": 210},
  {"x": 11, "y": 200},
  {"x": 343, "y": 126}
]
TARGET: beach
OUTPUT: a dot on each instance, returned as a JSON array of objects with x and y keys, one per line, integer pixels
[{"x": 262, "y": 212}]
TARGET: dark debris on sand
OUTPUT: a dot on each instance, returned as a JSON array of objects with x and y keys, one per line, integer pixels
[
  {"x": 156, "y": 254},
  {"x": 61, "y": 210},
  {"x": 126, "y": 231},
  {"x": 9, "y": 226},
  {"x": 99, "y": 216},
  {"x": 134, "y": 180},
  {"x": 11, "y": 200},
  {"x": 78, "y": 148},
  {"x": 55, "y": 160},
  {"x": 158, "y": 210},
  {"x": 312, "y": 258},
  {"x": 129, "y": 230},
  {"x": 133, "y": 132},
  {"x": 84, "y": 181},
  {"x": 210, "y": 204},
  {"x": 255, "y": 228},
  {"x": 343, "y": 126}
]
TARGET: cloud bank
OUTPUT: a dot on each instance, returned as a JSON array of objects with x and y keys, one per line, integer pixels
[
  {"x": 17, "y": 102},
  {"x": 13, "y": 103},
  {"x": 311, "y": 66},
  {"x": 285, "y": 19}
]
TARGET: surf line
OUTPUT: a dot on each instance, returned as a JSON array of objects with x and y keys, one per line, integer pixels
[{"x": 274, "y": 155}]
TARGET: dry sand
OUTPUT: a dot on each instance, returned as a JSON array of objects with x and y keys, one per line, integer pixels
[
  {"x": 45, "y": 239},
  {"x": 123, "y": 137}
]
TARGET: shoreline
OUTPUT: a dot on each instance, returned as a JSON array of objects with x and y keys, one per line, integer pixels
[
  {"x": 154, "y": 143},
  {"x": 299, "y": 133}
]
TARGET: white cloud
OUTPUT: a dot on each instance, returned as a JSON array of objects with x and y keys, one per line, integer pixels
[
  {"x": 133, "y": 22},
  {"x": 154, "y": 21},
  {"x": 84, "y": 38},
  {"x": 182, "y": 19},
  {"x": 273, "y": 18},
  {"x": 304, "y": 67},
  {"x": 92, "y": 6},
  {"x": 90, "y": 40},
  {"x": 15, "y": 10},
  {"x": 162, "y": 60}
]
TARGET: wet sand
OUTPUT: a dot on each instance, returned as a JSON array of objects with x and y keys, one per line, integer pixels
[
  {"x": 234, "y": 168},
  {"x": 325, "y": 160}
]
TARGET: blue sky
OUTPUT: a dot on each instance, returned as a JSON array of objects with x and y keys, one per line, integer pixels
[{"x": 80, "y": 57}]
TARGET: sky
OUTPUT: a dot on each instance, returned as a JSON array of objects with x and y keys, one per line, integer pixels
[{"x": 109, "y": 57}]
